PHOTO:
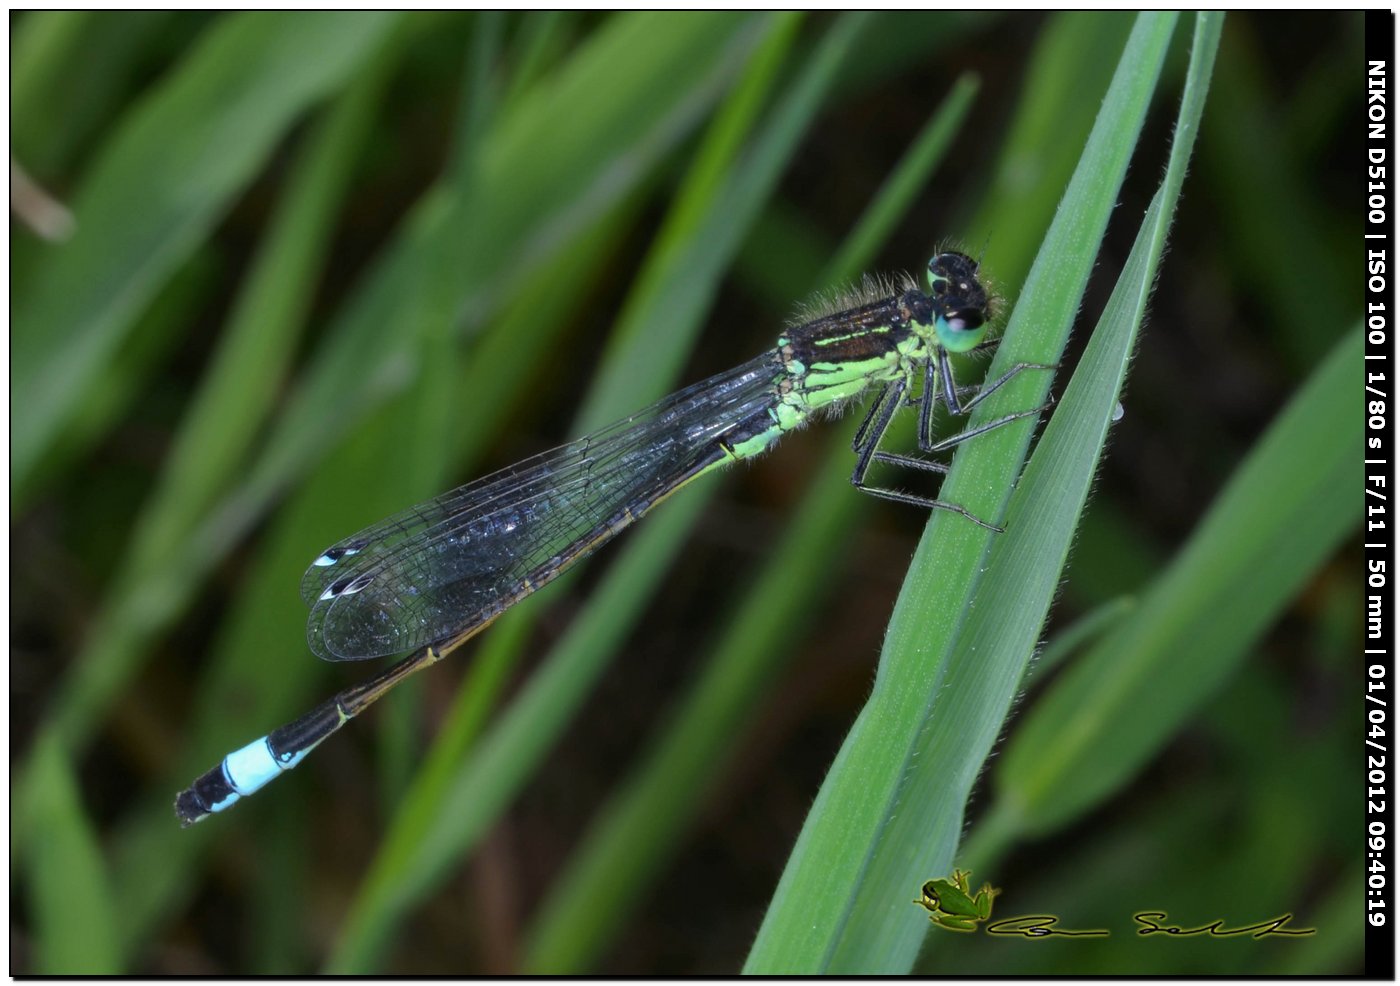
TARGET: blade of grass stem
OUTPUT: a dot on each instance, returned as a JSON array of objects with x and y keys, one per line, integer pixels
[{"x": 825, "y": 913}]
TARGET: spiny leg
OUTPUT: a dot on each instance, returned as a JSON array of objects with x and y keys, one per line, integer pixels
[
  {"x": 951, "y": 395},
  {"x": 872, "y": 429},
  {"x": 929, "y": 396},
  {"x": 953, "y": 441},
  {"x": 951, "y": 390},
  {"x": 912, "y": 400},
  {"x": 879, "y": 421},
  {"x": 930, "y": 399},
  {"x": 942, "y": 373},
  {"x": 863, "y": 431}
]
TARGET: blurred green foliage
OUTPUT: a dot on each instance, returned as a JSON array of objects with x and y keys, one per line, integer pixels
[{"x": 324, "y": 265}]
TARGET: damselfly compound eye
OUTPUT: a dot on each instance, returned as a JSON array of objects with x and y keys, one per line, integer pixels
[{"x": 966, "y": 320}]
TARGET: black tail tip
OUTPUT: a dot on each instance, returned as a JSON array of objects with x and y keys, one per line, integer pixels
[{"x": 190, "y": 808}]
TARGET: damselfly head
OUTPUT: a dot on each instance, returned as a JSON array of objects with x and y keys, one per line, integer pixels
[{"x": 962, "y": 304}]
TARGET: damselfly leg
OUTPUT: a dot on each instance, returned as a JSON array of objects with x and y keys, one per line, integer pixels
[{"x": 938, "y": 383}]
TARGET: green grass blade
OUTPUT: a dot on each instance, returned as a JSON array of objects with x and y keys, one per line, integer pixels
[
  {"x": 830, "y": 911},
  {"x": 158, "y": 334},
  {"x": 1076, "y": 637},
  {"x": 495, "y": 244},
  {"x": 468, "y": 233},
  {"x": 998, "y": 637},
  {"x": 1003, "y": 622},
  {"x": 262, "y": 335},
  {"x": 1024, "y": 565},
  {"x": 1044, "y": 138},
  {"x": 538, "y": 45},
  {"x": 74, "y": 67},
  {"x": 74, "y": 910},
  {"x": 160, "y": 185},
  {"x": 40, "y": 46},
  {"x": 711, "y": 211}
]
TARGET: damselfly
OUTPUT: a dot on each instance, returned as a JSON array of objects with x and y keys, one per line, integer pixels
[{"x": 429, "y": 579}]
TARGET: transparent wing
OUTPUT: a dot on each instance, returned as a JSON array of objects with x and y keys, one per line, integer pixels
[{"x": 456, "y": 561}]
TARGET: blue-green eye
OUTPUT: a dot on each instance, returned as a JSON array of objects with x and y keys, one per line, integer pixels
[
  {"x": 967, "y": 320},
  {"x": 961, "y": 330},
  {"x": 961, "y": 303}
]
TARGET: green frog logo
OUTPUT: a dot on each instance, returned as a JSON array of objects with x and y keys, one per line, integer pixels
[{"x": 952, "y": 905}]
